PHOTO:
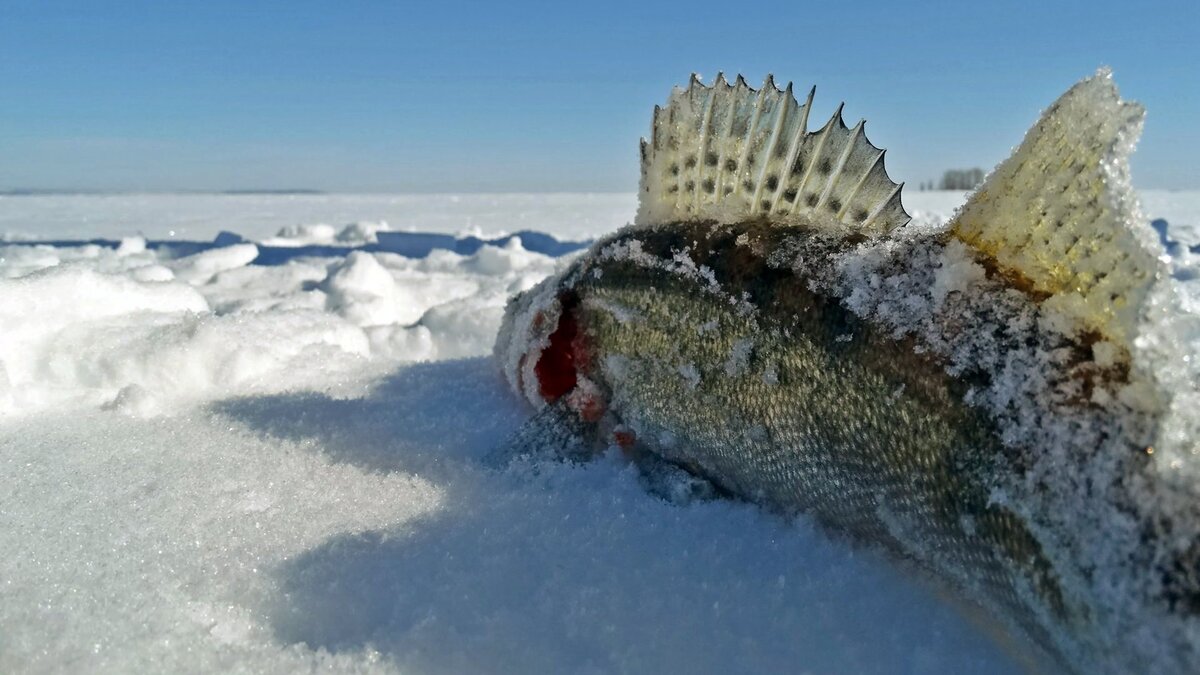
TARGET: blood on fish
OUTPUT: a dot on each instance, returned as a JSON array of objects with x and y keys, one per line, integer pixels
[
  {"x": 555, "y": 368},
  {"x": 624, "y": 438}
]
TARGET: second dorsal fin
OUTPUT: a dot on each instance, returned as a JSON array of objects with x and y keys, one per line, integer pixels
[
  {"x": 1061, "y": 214},
  {"x": 729, "y": 153}
]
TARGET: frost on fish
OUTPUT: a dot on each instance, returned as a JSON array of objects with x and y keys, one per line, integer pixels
[{"x": 1008, "y": 403}]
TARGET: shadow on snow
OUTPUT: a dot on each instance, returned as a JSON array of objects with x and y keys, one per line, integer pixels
[
  {"x": 555, "y": 567},
  {"x": 408, "y": 244}
]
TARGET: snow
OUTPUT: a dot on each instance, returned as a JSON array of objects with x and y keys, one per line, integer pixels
[
  {"x": 260, "y": 217},
  {"x": 265, "y": 454}
]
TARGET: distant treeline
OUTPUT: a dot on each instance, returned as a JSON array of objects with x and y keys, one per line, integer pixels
[{"x": 956, "y": 179}]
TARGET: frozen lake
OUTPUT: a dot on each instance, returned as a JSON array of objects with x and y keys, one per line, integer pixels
[{"x": 202, "y": 216}]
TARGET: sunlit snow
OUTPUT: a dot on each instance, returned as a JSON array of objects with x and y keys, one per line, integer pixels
[{"x": 246, "y": 433}]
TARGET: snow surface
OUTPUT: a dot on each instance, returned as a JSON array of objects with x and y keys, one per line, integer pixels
[
  {"x": 264, "y": 455},
  {"x": 202, "y": 216}
]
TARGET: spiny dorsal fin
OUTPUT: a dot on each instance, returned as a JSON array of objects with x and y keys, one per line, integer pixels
[
  {"x": 729, "y": 153},
  {"x": 1060, "y": 212}
]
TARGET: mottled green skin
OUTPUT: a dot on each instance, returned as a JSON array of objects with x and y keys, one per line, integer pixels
[{"x": 829, "y": 416}]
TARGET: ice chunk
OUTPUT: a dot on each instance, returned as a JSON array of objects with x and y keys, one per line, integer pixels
[
  {"x": 131, "y": 245},
  {"x": 363, "y": 291},
  {"x": 497, "y": 260},
  {"x": 303, "y": 235},
  {"x": 362, "y": 232},
  {"x": 200, "y": 268}
]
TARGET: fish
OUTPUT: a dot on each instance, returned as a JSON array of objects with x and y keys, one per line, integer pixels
[{"x": 1006, "y": 404}]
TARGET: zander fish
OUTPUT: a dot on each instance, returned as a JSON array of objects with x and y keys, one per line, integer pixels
[{"x": 1007, "y": 403}]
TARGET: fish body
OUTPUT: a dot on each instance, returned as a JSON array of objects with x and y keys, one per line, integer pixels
[{"x": 986, "y": 414}]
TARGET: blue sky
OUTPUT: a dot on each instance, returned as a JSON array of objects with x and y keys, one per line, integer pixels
[{"x": 445, "y": 96}]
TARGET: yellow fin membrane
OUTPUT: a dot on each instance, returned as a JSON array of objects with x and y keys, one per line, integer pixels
[{"x": 1060, "y": 212}]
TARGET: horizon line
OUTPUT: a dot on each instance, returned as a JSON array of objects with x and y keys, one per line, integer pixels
[{"x": 309, "y": 192}]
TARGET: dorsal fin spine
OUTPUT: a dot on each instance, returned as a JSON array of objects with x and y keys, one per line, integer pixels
[
  {"x": 836, "y": 176},
  {"x": 794, "y": 147},
  {"x": 750, "y": 129},
  {"x": 781, "y": 112},
  {"x": 870, "y": 221},
  {"x": 858, "y": 185},
  {"x": 705, "y": 132},
  {"x": 824, "y": 133},
  {"x": 727, "y": 132}
]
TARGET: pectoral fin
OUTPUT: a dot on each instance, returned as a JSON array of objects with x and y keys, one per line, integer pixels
[{"x": 554, "y": 431}]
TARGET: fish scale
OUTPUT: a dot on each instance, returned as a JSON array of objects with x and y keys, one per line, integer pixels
[{"x": 924, "y": 457}]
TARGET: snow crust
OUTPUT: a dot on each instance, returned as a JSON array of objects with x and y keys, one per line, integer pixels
[{"x": 213, "y": 463}]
